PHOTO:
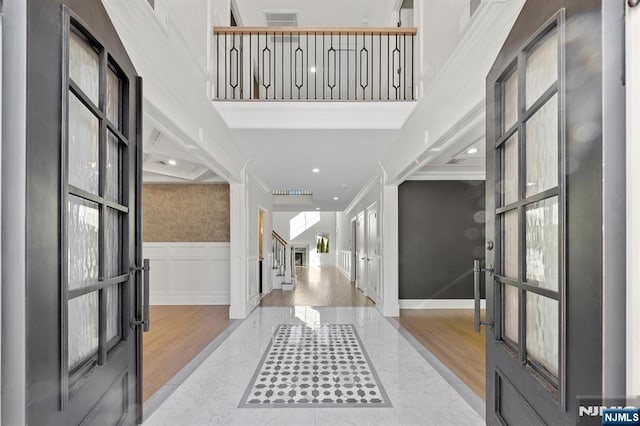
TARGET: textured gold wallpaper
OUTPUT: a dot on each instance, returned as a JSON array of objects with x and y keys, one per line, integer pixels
[{"x": 186, "y": 213}]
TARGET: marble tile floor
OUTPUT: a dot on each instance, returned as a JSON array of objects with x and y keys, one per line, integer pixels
[{"x": 420, "y": 393}]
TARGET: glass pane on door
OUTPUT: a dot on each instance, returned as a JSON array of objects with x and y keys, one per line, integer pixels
[
  {"x": 542, "y": 331},
  {"x": 84, "y": 66},
  {"x": 112, "y": 246},
  {"x": 113, "y": 311},
  {"x": 113, "y": 181},
  {"x": 510, "y": 313},
  {"x": 510, "y": 173},
  {"x": 510, "y": 100},
  {"x": 542, "y": 231},
  {"x": 82, "y": 242},
  {"x": 542, "y": 68},
  {"x": 82, "y": 328},
  {"x": 542, "y": 148},
  {"x": 113, "y": 98},
  {"x": 510, "y": 244},
  {"x": 83, "y": 146}
]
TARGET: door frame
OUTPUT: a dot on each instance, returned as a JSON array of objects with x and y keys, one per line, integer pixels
[
  {"x": 14, "y": 334},
  {"x": 361, "y": 278},
  {"x": 264, "y": 239},
  {"x": 633, "y": 201},
  {"x": 373, "y": 208},
  {"x": 353, "y": 230}
]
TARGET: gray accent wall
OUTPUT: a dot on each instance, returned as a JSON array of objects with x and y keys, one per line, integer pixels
[{"x": 441, "y": 232}]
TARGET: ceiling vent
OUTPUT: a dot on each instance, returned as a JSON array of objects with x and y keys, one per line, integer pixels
[
  {"x": 281, "y": 19},
  {"x": 455, "y": 161}
]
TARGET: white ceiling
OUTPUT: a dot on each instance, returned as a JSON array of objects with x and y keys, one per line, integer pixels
[
  {"x": 168, "y": 160},
  {"x": 284, "y": 142},
  {"x": 285, "y": 159},
  {"x": 347, "y": 13}
]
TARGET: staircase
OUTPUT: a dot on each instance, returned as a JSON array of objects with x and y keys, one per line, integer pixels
[{"x": 283, "y": 268}]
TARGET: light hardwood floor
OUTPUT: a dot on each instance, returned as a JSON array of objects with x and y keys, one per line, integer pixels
[
  {"x": 449, "y": 335},
  {"x": 324, "y": 286},
  {"x": 176, "y": 336}
]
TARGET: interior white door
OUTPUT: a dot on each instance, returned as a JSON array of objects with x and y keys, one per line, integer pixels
[
  {"x": 372, "y": 252},
  {"x": 361, "y": 276}
]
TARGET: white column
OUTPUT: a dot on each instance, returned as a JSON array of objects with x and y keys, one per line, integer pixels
[
  {"x": 390, "y": 282},
  {"x": 288, "y": 267},
  {"x": 633, "y": 202},
  {"x": 239, "y": 251},
  {"x": 14, "y": 176}
]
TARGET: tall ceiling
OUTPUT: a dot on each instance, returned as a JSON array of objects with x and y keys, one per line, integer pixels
[
  {"x": 284, "y": 144},
  {"x": 325, "y": 13}
]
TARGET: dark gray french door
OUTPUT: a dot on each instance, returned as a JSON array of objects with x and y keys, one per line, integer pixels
[
  {"x": 83, "y": 215},
  {"x": 545, "y": 197}
]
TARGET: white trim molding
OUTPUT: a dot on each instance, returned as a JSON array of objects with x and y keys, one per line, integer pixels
[
  {"x": 390, "y": 271},
  {"x": 448, "y": 175},
  {"x": 633, "y": 202},
  {"x": 238, "y": 196},
  {"x": 439, "y": 304},
  {"x": 343, "y": 262},
  {"x": 314, "y": 115}
]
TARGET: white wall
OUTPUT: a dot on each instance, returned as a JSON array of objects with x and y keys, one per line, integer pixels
[
  {"x": 442, "y": 24},
  {"x": 0, "y": 204},
  {"x": 195, "y": 20},
  {"x": 633, "y": 202},
  {"x": 327, "y": 223},
  {"x": 343, "y": 231},
  {"x": 188, "y": 273}
]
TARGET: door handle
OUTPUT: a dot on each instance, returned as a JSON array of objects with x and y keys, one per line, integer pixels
[
  {"x": 477, "y": 277},
  {"x": 144, "y": 321}
]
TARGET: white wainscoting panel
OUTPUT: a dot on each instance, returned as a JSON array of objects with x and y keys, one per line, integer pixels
[
  {"x": 188, "y": 273},
  {"x": 344, "y": 263}
]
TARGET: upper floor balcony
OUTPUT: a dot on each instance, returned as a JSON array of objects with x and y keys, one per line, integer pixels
[{"x": 314, "y": 64}]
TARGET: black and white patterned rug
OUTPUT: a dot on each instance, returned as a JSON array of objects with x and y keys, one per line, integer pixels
[{"x": 326, "y": 366}]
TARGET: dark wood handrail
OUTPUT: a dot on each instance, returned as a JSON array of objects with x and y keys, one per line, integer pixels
[
  {"x": 278, "y": 237},
  {"x": 319, "y": 30}
]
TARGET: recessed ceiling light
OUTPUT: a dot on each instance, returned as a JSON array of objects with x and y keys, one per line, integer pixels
[
  {"x": 472, "y": 151},
  {"x": 316, "y": 170},
  {"x": 317, "y": 208},
  {"x": 336, "y": 198},
  {"x": 312, "y": 69},
  {"x": 172, "y": 162},
  {"x": 344, "y": 186}
]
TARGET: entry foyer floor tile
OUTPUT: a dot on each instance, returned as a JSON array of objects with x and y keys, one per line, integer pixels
[{"x": 413, "y": 392}]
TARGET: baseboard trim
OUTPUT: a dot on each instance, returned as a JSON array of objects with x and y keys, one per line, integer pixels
[
  {"x": 344, "y": 273},
  {"x": 439, "y": 304}
]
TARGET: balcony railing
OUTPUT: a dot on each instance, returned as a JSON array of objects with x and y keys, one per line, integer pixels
[{"x": 331, "y": 64}]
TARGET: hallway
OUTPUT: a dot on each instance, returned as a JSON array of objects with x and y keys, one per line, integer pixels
[
  {"x": 417, "y": 393},
  {"x": 318, "y": 286}
]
